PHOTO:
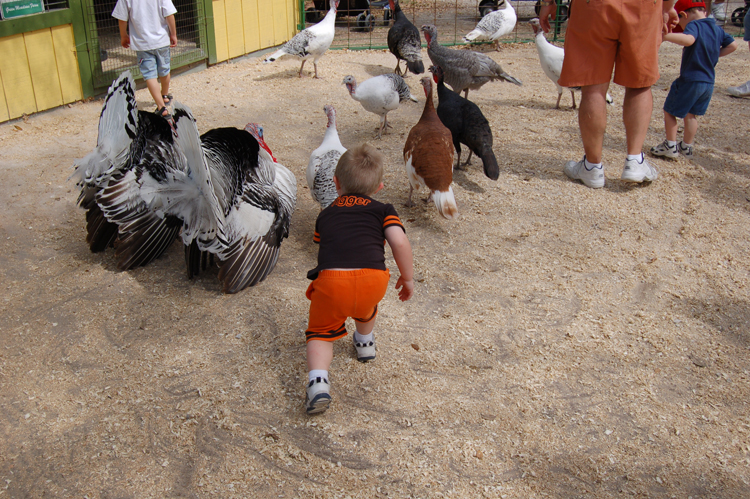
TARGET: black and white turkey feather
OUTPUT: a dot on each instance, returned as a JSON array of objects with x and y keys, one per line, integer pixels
[{"x": 323, "y": 161}]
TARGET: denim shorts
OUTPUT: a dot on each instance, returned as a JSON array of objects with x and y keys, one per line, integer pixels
[
  {"x": 688, "y": 97},
  {"x": 152, "y": 61}
]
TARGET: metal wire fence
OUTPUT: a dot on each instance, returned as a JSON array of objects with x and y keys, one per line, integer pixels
[
  {"x": 453, "y": 19},
  {"x": 109, "y": 58}
]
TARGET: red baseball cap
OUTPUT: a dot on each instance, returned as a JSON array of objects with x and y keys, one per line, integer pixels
[{"x": 683, "y": 5}]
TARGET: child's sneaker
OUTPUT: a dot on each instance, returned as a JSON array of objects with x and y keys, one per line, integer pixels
[
  {"x": 577, "y": 170},
  {"x": 740, "y": 91},
  {"x": 686, "y": 150},
  {"x": 365, "y": 351},
  {"x": 665, "y": 150},
  {"x": 318, "y": 396},
  {"x": 635, "y": 171}
]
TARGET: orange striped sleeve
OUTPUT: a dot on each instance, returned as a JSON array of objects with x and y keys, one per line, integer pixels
[
  {"x": 392, "y": 220},
  {"x": 316, "y": 237}
]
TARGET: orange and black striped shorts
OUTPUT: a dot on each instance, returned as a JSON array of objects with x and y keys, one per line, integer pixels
[{"x": 337, "y": 294}]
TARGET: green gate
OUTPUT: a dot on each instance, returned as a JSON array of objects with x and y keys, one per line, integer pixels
[{"x": 107, "y": 58}]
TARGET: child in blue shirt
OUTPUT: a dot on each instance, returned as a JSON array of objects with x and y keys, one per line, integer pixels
[{"x": 690, "y": 94}]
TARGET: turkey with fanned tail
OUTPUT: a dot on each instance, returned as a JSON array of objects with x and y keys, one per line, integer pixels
[
  {"x": 137, "y": 187},
  {"x": 256, "y": 196}
]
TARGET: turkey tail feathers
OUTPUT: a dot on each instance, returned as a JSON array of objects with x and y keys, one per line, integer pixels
[
  {"x": 507, "y": 77},
  {"x": 491, "y": 169},
  {"x": 416, "y": 67},
  {"x": 446, "y": 203},
  {"x": 473, "y": 35}
]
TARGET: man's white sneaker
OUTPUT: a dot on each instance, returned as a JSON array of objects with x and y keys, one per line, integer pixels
[
  {"x": 318, "y": 396},
  {"x": 685, "y": 150},
  {"x": 665, "y": 150},
  {"x": 639, "y": 172},
  {"x": 741, "y": 91},
  {"x": 577, "y": 170}
]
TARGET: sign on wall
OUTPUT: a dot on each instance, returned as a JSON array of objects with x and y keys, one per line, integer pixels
[{"x": 18, "y": 8}]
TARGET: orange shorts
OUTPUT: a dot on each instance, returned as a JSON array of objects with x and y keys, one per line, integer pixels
[
  {"x": 337, "y": 294},
  {"x": 602, "y": 34}
]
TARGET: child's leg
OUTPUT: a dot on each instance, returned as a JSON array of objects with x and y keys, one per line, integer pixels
[
  {"x": 670, "y": 126},
  {"x": 691, "y": 128},
  {"x": 364, "y": 328},
  {"x": 153, "y": 89},
  {"x": 319, "y": 354},
  {"x": 165, "y": 84}
]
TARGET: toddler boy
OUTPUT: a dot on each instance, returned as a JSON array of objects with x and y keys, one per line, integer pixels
[
  {"x": 690, "y": 94},
  {"x": 351, "y": 277}
]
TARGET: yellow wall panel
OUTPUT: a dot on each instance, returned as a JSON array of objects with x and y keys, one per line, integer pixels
[
  {"x": 43, "y": 68},
  {"x": 14, "y": 69},
  {"x": 280, "y": 21},
  {"x": 220, "y": 31},
  {"x": 4, "y": 114},
  {"x": 67, "y": 63},
  {"x": 251, "y": 25},
  {"x": 235, "y": 32},
  {"x": 265, "y": 28}
]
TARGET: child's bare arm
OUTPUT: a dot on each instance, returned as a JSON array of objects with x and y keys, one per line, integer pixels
[
  {"x": 678, "y": 38},
  {"x": 124, "y": 38},
  {"x": 401, "y": 249},
  {"x": 728, "y": 49},
  {"x": 172, "y": 30}
]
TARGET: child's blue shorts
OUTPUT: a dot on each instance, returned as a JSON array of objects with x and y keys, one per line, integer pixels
[
  {"x": 153, "y": 62},
  {"x": 688, "y": 97}
]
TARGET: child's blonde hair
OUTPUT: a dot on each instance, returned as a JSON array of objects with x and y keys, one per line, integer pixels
[{"x": 360, "y": 170}]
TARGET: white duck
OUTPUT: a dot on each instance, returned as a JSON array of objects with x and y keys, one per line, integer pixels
[
  {"x": 312, "y": 42},
  {"x": 379, "y": 95},
  {"x": 323, "y": 161},
  {"x": 551, "y": 58},
  {"x": 494, "y": 25}
]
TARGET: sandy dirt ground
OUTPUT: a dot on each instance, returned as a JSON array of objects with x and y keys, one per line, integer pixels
[{"x": 563, "y": 341}]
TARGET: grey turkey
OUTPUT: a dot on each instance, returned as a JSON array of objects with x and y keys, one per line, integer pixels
[
  {"x": 405, "y": 42},
  {"x": 256, "y": 196},
  {"x": 464, "y": 70},
  {"x": 136, "y": 185}
]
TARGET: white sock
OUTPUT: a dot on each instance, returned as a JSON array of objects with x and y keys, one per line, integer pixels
[
  {"x": 363, "y": 339},
  {"x": 590, "y": 165},
  {"x": 317, "y": 373},
  {"x": 637, "y": 157},
  {"x": 671, "y": 143},
  {"x": 683, "y": 145}
]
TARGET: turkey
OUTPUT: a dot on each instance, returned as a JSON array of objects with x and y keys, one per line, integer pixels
[
  {"x": 310, "y": 43},
  {"x": 405, "y": 42},
  {"x": 428, "y": 157},
  {"x": 494, "y": 25},
  {"x": 256, "y": 196},
  {"x": 323, "y": 161},
  {"x": 551, "y": 59},
  {"x": 464, "y": 69},
  {"x": 140, "y": 203},
  {"x": 467, "y": 125},
  {"x": 379, "y": 95}
]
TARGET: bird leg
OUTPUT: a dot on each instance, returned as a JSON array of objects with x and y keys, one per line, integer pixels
[
  {"x": 300, "y": 68},
  {"x": 428, "y": 198},
  {"x": 468, "y": 160},
  {"x": 573, "y": 96},
  {"x": 315, "y": 65},
  {"x": 398, "y": 67},
  {"x": 466, "y": 93},
  {"x": 383, "y": 126},
  {"x": 559, "y": 96},
  {"x": 409, "y": 202}
]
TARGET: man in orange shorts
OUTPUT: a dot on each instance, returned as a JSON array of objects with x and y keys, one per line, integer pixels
[
  {"x": 603, "y": 35},
  {"x": 351, "y": 277}
]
